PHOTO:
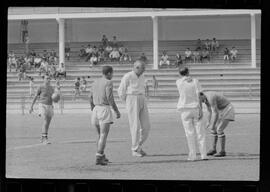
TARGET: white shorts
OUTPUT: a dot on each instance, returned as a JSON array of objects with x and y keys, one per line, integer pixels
[
  {"x": 102, "y": 114},
  {"x": 46, "y": 110}
]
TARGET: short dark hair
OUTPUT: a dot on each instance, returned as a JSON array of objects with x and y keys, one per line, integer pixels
[
  {"x": 183, "y": 71},
  {"x": 107, "y": 69}
]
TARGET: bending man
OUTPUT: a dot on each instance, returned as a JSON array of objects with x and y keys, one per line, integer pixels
[{"x": 223, "y": 113}]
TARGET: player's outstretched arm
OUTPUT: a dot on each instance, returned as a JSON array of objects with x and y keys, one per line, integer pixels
[{"x": 33, "y": 103}]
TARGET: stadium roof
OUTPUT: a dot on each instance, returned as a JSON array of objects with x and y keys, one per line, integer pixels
[{"x": 18, "y": 13}]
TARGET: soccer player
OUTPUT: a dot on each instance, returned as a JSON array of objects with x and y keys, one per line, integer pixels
[
  {"x": 223, "y": 113},
  {"x": 101, "y": 101},
  {"x": 131, "y": 90},
  {"x": 190, "y": 109},
  {"x": 44, "y": 93}
]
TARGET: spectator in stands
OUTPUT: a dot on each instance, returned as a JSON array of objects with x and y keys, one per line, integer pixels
[
  {"x": 121, "y": 50},
  {"x": 27, "y": 41},
  {"x": 93, "y": 60},
  {"x": 32, "y": 53},
  {"x": 188, "y": 55},
  {"x": 199, "y": 44},
  {"x": 77, "y": 88},
  {"x": 27, "y": 60},
  {"x": 89, "y": 51},
  {"x": 108, "y": 51},
  {"x": 12, "y": 60},
  {"x": 43, "y": 66},
  {"x": 197, "y": 57},
  {"x": 114, "y": 55},
  {"x": 61, "y": 71},
  {"x": 164, "y": 60},
  {"x": 143, "y": 58},
  {"x": 226, "y": 55},
  {"x": 114, "y": 42},
  {"x": 205, "y": 55},
  {"x": 53, "y": 53},
  {"x": 214, "y": 45},
  {"x": 178, "y": 60},
  {"x": 22, "y": 72},
  {"x": 37, "y": 61},
  {"x": 45, "y": 54},
  {"x": 31, "y": 87},
  {"x": 82, "y": 53},
  {"x": 67, "y": 52},
  {"x": 52, "y": 71},
  {"x": 101, "y": 55},
  {"x": 83, "y": 84},
  {"x": 207, "y": 45},
  {"x": 104, "y": 41},
  {"x": 233, "y": 54},
  {"x": 125, "y": 56},
  {"x": 155, "y": 84}
]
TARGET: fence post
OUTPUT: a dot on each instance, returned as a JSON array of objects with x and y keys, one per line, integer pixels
[
  {"x": 61, "y": 104},
  {"x": 23, "y": 104}
]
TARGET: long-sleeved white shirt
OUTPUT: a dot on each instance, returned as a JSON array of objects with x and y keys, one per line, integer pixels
[
  {"x": 131, "y": 84},
  {"x": 189, "y": 89}
]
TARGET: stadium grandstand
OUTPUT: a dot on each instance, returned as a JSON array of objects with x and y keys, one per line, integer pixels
[{"x": 66, "y": 39}]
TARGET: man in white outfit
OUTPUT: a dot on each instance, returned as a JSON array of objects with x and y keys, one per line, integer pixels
[
  {"x": 131, "y": 90},
  {"x": 190, "y": 108}
]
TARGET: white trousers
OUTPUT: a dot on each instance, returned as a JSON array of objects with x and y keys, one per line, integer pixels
[
  {"x": 138, "y": 117},
  {"x": 194, "y": 130}
]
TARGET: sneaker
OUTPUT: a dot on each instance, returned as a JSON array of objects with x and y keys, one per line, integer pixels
[
  {"x": 191, "y": 159},
  {"x": 105, "y": 159},
  {"x": 100, "y": 160},
  {"x": 136, "y": 154},
  {"x": 143, "y": 152},
  {"x": 45, "y": 141},
  {"x": 220, "y": 154},
  {"x": 212, "y": 152}
]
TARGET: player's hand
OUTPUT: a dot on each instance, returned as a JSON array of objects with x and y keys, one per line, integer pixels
[
  {"x": 31, "y": 110},
  {"x": 118, "y": 115},
  {"x": 207, "y": 125},
  {"x": 200, "y": 114}
]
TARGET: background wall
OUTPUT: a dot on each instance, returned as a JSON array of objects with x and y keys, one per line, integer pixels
[{"x": 138, "y": 29}]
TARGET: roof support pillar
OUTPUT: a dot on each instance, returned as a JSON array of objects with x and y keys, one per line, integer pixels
[
  {"x": 253, "y": 40},
  {"x": 61, "y": 25},
  {"x": 155, "y": 42}
]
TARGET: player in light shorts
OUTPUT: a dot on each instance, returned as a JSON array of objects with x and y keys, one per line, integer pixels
[
  {"x": 44, "y": 93},
  {"x": 101, "y": 101},
  {"x": 223, "y": 113},
  {"x": 102, "y": 114}
]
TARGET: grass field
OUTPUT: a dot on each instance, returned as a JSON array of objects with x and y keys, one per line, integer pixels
[{"x": 72, "y": 152}]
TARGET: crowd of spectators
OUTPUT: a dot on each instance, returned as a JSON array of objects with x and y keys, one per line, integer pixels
[
  {"x": 43, "y": 63},
  {"x": 204, "y": 50},
  {"x": 106, "y": 51}
]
